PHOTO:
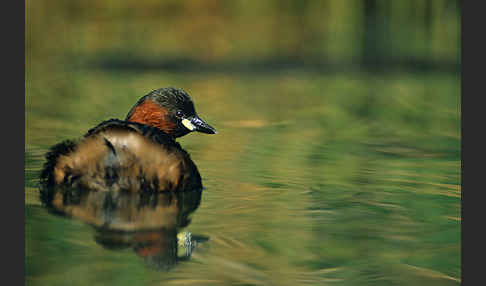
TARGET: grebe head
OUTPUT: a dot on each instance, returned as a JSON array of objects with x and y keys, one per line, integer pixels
[{"x": 171, "y": 110}]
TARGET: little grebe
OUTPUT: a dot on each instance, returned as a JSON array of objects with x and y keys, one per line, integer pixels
[{"x": 138, "y": 153}]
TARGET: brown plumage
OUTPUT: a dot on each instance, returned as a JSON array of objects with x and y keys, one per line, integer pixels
[{"x": 138, "y": 154}]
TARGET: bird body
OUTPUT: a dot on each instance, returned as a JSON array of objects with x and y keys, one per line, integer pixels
[{"x": 139, "y": 153}]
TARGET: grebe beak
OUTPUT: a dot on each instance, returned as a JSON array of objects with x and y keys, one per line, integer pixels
[{"x": 197, "y": 124}]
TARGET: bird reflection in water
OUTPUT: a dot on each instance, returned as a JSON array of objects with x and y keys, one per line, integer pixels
[
  {"x": 130, "y": 178},
  {"x": 148, "y": 222}
]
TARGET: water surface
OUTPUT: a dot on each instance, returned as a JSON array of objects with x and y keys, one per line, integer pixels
[{"x": 312, "y": 179}]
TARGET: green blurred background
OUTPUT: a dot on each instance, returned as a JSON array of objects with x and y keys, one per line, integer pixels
[
  {"x": 338, "y": 156},
  {"x": 410, "y": 34}
]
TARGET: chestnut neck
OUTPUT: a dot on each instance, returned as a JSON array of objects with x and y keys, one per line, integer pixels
[{"x": 152, "y": 114}]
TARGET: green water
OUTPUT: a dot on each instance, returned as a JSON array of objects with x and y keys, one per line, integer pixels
[{"x": 313, "y": 179}]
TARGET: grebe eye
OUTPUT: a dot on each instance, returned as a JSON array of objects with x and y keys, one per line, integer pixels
[{"x": 179, "y": 114}]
